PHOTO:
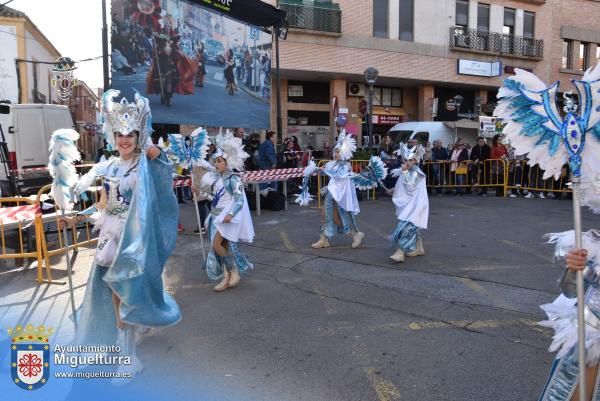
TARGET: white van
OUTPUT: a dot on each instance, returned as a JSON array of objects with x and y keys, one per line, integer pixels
[
  {"x": 27, "y": 129},
  {"x": 429, "y": 131}
]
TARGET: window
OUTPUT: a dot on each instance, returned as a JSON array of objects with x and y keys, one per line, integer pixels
[
  {"x": 387, "y": 97},
  {"x": 462, "y": 13},
  {"x": 567, "y": 61},
  {"x": 584, "y": 52},
  {"x": 406, "y": 19},
  {"x": 483, "y": 17},
  {"x": 509, "y": 21},
  {"x": 380, "y": 18},
  {"x": 529, "y": 24}
]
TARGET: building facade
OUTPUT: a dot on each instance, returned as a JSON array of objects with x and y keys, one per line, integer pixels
[
  {"x": 438, "y": 60},
  {"x": 84, "y": 107},
  {"x": 25, "y": 75}
]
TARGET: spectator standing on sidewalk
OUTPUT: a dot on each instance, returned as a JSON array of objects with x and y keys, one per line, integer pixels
[
  {"x": 479, "y": 154},
  {"x": 267, "y": 159},
  {"x": 498, "y": 153},
  {"x": 458, "y": 167},
  {"x": 439, "y": 156}
]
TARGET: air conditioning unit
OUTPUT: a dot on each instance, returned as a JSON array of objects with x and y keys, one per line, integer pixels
[{"x": 356, "y": 89}]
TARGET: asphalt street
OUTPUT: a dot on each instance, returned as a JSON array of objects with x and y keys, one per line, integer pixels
[
  {"x": 209, "y": 106},
  {"x": 349, "y": 324}
]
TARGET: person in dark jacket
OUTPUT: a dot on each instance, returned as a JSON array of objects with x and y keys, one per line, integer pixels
[
  {"x": 479, "y": 154},
  {"x": 439, "y": 156},
  {"x": 267, "y": 158}
]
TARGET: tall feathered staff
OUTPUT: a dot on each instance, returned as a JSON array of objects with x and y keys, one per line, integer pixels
[
  {"x": 537, "y": 128},
  {"x": 190, "y": 151},
  {"x": 63, "y": 152}
]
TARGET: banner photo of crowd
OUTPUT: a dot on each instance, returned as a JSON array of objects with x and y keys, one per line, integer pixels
[{"x": 195, "y": 65}]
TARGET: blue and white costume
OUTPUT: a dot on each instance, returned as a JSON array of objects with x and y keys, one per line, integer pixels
[
  {"x": 226, "y": 191},
  {"x": 137, "y": 222},
  {"x": 412, "y": 208},
  {"x": 341, "y": 203},
  {"x": 551, "y": 139}
]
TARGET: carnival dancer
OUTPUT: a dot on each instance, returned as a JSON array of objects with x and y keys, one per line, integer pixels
[
  {"x": 137, "y": 221},
  {"x": 230, "y": 221},
  {"x": 536, "y": 127},
  {"x": 341, "y": 203},
  {"x": 412, "y": 205}
]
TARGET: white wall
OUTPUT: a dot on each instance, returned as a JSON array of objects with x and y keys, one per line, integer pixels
[
  {"x": 35, "y": 50},
  {"x": 8, "y": 72}
]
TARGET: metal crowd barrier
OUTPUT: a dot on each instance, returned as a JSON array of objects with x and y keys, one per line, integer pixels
[
  {"x": 322, "y": 180},
  {"x": 23, "y": 213},
  {"x": 492, "y": 173},
  {"x": 81, "y": 235}
]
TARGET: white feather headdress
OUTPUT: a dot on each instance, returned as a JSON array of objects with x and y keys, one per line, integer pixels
[
  {"x": 346, "y": 145},
  {"x": 63, "y": 152},
  {"x": 231, "y": 149}
]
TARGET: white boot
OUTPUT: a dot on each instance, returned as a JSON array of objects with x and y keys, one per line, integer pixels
[
  {"x": 398, "y": 256},
  {"x": 222, "y": 286},
  {"x": 323, "y": 242},
  {"x": 419, "y": 251},
  {"x": 357, "y": 238},
  {"x": 234, "y": 278}
]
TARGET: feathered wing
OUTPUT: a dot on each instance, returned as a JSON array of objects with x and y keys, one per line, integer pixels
[
  {"x": 63, "y": 152},
  {"x": 176, "y": 150},
  {"x": 200, "y": 145},
  {"x": 533, "y": 121},
  {"x": 304, "y": 197},
  {"x": 371, "y": 175},
  {"x": 590, "y": 165}
]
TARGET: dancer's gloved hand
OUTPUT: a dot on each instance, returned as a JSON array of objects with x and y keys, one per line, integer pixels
[
  {"x": 576, "y": 259},
  {"x": 153, "y": 152}
]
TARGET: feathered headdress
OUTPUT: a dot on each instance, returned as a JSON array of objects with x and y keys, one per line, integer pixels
[
  {"x": 536, "y": 127},
  {"x": 192, "y": 154},
  {"x": 63, "y": 152},
  {"x": 346, "y": 145},
  {"x": 231, "y": 149},
  {"x": 125, "y": 118}
]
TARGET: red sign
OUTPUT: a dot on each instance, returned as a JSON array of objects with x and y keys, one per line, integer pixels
[{"x": 386, "y": 120}]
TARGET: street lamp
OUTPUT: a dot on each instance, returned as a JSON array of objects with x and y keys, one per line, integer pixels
[{"x": 371, "y": 74}]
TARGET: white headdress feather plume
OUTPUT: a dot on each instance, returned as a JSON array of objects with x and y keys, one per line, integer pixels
[
  {"x": 63, "y": 152},
  {"x": 232, "y": 150},
  {"x": 346, "y": 145}
]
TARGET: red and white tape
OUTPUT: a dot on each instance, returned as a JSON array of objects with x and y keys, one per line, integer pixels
[{"x": 15, "y": 214}]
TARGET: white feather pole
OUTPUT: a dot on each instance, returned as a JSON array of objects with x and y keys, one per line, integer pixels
[{"x": 63, "y": 152}]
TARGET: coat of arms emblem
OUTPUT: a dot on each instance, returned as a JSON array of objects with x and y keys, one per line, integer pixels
[{"x": 30, "y": 356}]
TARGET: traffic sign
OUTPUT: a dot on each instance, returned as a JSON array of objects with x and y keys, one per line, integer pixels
[{"x": 254, "y": 33}]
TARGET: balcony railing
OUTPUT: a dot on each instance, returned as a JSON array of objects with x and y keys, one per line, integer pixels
[
  {"x": 313, "y": 18},
  {"x": 462, "y": 38}
]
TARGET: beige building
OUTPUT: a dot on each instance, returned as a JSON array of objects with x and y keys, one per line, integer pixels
[
  {"x": 25, "y": 75},
  {"x": 427, "y": 52}
]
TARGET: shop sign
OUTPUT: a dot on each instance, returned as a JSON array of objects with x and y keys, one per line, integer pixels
[
  {"x": 480, "y": 68},
  {"x": 386, "y": 120}
]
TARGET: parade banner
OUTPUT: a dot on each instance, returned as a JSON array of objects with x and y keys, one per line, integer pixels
[{"x": 195, "y": 65}]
